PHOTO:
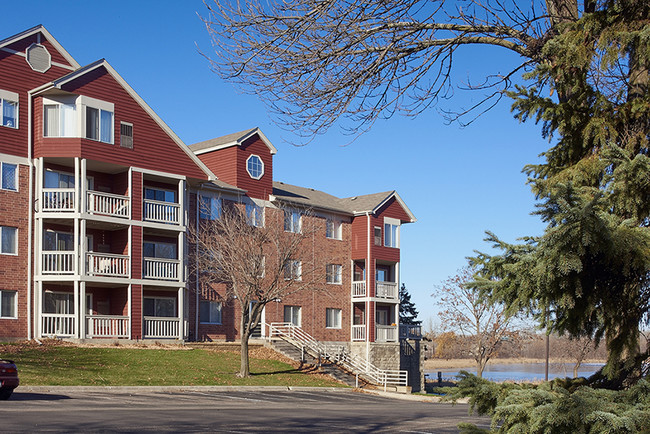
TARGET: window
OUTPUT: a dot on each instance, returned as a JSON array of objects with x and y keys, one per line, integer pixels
[
  {"x": 126, "y": 135},
  {"x": 58, "y": 302},
  {"x": 255, "y": 167},
  {"x": 8, "y": 304},
  {"x": 58, "y": 179},
  {"x": 292, "y": 270},
  {"x": 8, "y": 240},
  {"x": 209, "y": 207},
  {"x": 255, "y": 215},
  {"x": 159, "y": 306},
  {"x": 60, "y": 120},
  {"x": 99, "y": 125},
  {"x": 58, "y": 241},
  {"x": 292, "y": 315},
  {"x": 158, "y": 250},
  {"x": 333, "y": 229},
  {"x": 333, "y": 318},
  {"x": 210, "y": 312},
  {"x": 292, "y": 221},
  {"x": 160, "y": 195},
  {"x": 391, "y": 235},
  {"x": 9, "y": 176},
  {"x": 333, "y": 273},
  {"x": 9, "y": 108},
  {"x": 377, "y": 236}
]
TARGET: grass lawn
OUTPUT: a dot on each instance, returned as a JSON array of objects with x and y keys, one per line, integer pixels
[{"x": 68, "y": 365}]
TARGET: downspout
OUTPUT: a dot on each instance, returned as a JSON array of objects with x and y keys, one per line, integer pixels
[
  {"x": 368, "y": 289},
  {"x": 30, "y": 204}
]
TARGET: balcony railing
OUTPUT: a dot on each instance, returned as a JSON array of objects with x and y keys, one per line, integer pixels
[
  {"x": 161, "y": 212},
  {"x": 58, "y": 199},
  {"x": 108, "y": 204},
  {"x": 58, "y": 262},
  {"x": 385, "y": 333},
  {"x": 386, "y": 290},
  {"x": 358, "y": 289},
  {"x": 161, "y": 327},
  {"x": 161, "y": 269},
  {"x": 107, "y": 264},
  {"x": 57, "y": 324},
  {"x": 107, "y": 326},
  {"x": 409, "y": 331},
  {"x": 359, "y": 332}
]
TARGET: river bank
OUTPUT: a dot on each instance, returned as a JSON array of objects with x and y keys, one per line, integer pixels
[{"x": 433, "y": 364}]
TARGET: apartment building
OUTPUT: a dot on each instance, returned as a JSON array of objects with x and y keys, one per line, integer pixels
[{"x": 97, "y": 196}]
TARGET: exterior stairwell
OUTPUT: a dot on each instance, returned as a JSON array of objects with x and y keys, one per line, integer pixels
[{"x": 335, "y": 360}]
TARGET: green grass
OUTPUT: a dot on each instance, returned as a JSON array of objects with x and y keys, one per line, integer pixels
[{"x": 57, "y": 365}]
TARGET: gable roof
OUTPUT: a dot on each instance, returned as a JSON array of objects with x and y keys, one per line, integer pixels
[
  {"x": 61, "y": 81},
  {"x": 354, "y": 206},
  {"x": 234, "y": 139},
  {"x": 40, "y": 29}
]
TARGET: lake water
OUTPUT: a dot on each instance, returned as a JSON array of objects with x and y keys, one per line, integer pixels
[{"x": 520, "y": 372}]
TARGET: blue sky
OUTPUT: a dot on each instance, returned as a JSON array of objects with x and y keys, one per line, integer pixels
[{"x": 458, "y": 182}]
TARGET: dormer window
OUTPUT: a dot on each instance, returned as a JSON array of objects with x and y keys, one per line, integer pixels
[
  {"x": 255, "y": 166},
  {"x": 60, "y": 120},
  {"x": 99, "y": 125},
  {"x": 78, "y": 116}
]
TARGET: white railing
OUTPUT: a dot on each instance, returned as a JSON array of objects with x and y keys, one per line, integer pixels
[
  {"x": 57, "y": 324},
  {"x": 107, "y": 264},
  {"x": 410, "y": 331},
  {"x": 161, "y": 269},
  {"x": 161, "y": 327},
  {"x": 386, "y": 290},
  {"x": 109, "y": 204},
  {"x": 58, "y": 199},
  {"x": 161, "y": 212},
  {"x": 358, "y": 289},
  {"x": 359, "y": 332},
  {"x": 58, "y": 262},
  {"x": 355, "y": 364},
  {"x": 385, "y": 333},
  {"x": 107, "y": 326}
]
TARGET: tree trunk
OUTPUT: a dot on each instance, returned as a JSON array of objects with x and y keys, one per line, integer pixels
[{"x": 244, "y": 370}]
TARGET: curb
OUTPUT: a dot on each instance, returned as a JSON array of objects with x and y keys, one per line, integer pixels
[{"x": 171, "y": 389}]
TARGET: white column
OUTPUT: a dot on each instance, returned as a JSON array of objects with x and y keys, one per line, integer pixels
[
  {"x": 76, "y": 304},
  {"x": 83, "y": 251},
  {"x": 181, "y": 256},
  {"x": 128, "y": 301},
  {"x": 77, "y": 182},
  {"x": 39, "y": 184},
  {"x": 130, "y": 183},
  {"x": 39, "y": 309},
  {"x": 38, "y": 245},
  {"x": 181, "y": 316},
  {"x": 83, "y": 187},
  {"x": 82, "y": 310},
  {"x": 77, "y": 246}
]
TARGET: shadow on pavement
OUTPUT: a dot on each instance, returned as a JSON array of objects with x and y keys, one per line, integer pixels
[{"x": 25, "y": 396}]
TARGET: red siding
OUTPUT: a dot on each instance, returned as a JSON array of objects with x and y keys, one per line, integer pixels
[
  {"x": 222, "y": 164},
  {"x": 257, "y": 188}
]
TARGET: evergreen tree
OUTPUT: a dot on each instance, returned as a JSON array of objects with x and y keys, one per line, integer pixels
[{"x": 407, "y": 311}]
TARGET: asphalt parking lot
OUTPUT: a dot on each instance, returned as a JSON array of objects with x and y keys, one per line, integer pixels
[{"x": 234, "y": 411}]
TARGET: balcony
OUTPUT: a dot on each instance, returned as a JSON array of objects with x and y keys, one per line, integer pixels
[
  {"x": 57, "y": 324},
  {"x": 109, "y": 265},
  {"x": 109, "y": 204},
  {"x": 385, "y": 333},
  {"x": 58, "y": 262},
  {"x": 161, "y": 327},
  {"x": 107, "y": 326},
  {"x": 359, "y": 332},
  {"x": 161, "y": 212},
  {"x": 359, "y": 289},
  {"x": 58, "y": 200},
  {"x": 387, "y": 290},
  {"x": 161, "y": 269},
  {"x": 409, "y": 331}
]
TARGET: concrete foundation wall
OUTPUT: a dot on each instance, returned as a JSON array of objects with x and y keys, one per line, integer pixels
[{"x": 382, "y": 355}]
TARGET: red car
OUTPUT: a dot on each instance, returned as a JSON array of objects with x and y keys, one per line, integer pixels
[{"x": 8, "y": 378}]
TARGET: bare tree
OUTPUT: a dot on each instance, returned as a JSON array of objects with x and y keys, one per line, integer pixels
[
  {"x": 482, "y": 325},
  {"x": 255, "y": 264},
  {"x": 313, "y": 62}
]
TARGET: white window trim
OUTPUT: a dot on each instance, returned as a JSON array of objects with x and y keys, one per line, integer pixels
[
  {"x": 338, "y": 274},
  {"x": 15, "y": 253},
  {"x": 64, "y": 100},
  {"x": 155, "y": 297},
  {"x": 393, "y": 222},
  {"x": 15, "y": 304},
  {"x": 292, "y": 229},
  {"x": 6, "y": 95},
  {"x": 298, "y": 275},
  {"x": 338, "y": 224},
  {"x": 262, "y": 213},
  {"x": 221, "y": 310},
  {"x": 261, "y": 162},
  {"x": 131, "y": 136},
  {"x": 15, "y": 175},
  {"x": 202, "y": 213},
  {"x": 294, "y": 306},
  {"x": 340, "y": 318}
]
